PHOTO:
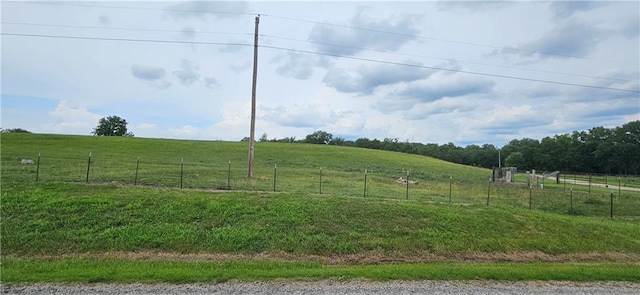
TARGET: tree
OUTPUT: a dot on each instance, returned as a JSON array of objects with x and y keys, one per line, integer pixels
[
  {"x": 515, "y": 160},
  {"x": 319, "y": 137},
  {"x": 14, "y": 130},
  {"x": 337, "y": 141},
  {"x": 112, "y": 126}
]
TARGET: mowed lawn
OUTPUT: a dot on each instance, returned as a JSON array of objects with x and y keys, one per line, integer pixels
[{"x": 63, "y": 229}]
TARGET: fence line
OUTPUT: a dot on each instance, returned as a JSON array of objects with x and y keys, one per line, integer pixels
[{"x": 563, "y": 197}]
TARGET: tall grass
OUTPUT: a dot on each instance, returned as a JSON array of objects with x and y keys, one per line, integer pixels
[
  {"x": 61, "y": 215},
  {"x": 222, "y": 165},
  {"x": 62, "y": 218}
]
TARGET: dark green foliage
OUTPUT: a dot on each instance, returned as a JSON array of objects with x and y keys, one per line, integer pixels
[
  {"x": 112, "y": 126},
  {"x": 14, "y": 130},
  {"x": 598, "y": 150},
  {"x": 319, "y": 137}
]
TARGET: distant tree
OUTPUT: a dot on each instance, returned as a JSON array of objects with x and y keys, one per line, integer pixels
[
  {"x": 264, "y": 137},
  {"x": 112, "y": 126},
  {"x": 15, "y": 130},
  {"x": 319, "y": 137},
  {"x": 515, "y": 159},
  {"x": 337, "y": 141},
  {"x": 291, "y": 139}
]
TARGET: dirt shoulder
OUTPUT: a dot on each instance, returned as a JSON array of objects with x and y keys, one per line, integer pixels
[{"x": 370, "y": 258}]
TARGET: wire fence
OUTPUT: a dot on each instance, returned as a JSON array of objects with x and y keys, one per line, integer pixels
[{"x": 567, "y": 193}]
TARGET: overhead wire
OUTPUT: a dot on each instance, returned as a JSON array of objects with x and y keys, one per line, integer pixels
[
  {"x": 117, "y": 28},
  {"x": 452, "y": 70},
  {"x": 443, "y": 40},
  {"x": 325, "y": 54},
  {"x": 130, "y": 7},
  {"x": 314, "y": 42},
  {"x": 444, "y": 59},
  {"x": 334, "y": 25},
  {"x": 125, "y": 39}
]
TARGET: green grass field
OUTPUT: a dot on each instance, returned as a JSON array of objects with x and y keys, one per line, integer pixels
[{"x": 61, "y": 229}]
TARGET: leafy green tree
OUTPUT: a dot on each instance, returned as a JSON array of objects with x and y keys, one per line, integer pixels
[
  {"x": 337, "y": 141},
  {"x": 319, "y": 137},
  {"x": 112, "y": 126},
  {"x": 15, "y": 130},
  {"x": 515, "y": 160}
]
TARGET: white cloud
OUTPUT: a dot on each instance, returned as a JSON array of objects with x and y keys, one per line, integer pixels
[
  {"x": 363, "y": 31},
  {"x": 300, "y": 92},
  {"x": 71, "y": 120}
]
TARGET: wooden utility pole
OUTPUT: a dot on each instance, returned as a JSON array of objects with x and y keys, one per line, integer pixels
[{"x": 253, "y": 100}]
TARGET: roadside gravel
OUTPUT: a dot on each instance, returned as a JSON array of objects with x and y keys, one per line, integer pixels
[{"x": 332, "y": 287}]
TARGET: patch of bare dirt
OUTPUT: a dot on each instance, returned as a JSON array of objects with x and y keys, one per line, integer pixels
[{"x": 367, "y": 258}]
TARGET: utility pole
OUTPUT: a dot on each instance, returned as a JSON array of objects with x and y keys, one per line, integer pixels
[{"x": 253, "y": 100}]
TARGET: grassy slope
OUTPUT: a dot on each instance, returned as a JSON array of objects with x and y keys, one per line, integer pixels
[{"x": 51, "y": 218}]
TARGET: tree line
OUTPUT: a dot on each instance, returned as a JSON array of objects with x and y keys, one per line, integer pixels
[{"x": 597, "y": 150}]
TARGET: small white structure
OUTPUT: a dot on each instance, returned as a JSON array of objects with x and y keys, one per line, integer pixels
[{"x": 27, "y": 161}]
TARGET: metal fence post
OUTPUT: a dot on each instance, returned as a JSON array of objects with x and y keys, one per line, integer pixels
[
  {"x": 275, "y": 174},
  {"x": 611, "y": 205},
  {"x": 38, "y": 168},
  {"x": 229, "y": 176},
  {"x": 571, "y": 200},
  {"x": 88, "y": 168},
  {"x": 450, "y": 183},
  {"x": 407, "y": 193},
  {"x": 320, "y": 180},
  {"x": 135, "y": 181},
  {"x": 365, "y": 183},
  {"x": 488, "y": 193},
  {"x": 181, "y": 171}
]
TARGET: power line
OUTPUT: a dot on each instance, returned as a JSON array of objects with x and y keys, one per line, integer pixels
[
  {"x": 125, "y": 39},
  {"x": 330, "y": 24},
  {"x": 444, "y": 40},
  {"x": 311, "y": 42},
  {"x": 445, "y": 59},
  {"x": 452, "y": 70},
  {"x": 326, "y": 54},
  {"x": 132, "y": 8},
  {"x": 118, "y": 28}
]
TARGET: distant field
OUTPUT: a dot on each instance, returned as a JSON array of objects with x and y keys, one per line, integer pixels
[
  {"x": 222, "y": 165},
  {"x": 83, "y": 232}
]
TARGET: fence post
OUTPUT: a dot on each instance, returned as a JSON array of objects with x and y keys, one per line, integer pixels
[
  {"x": 135, "y": 181},
  {"x": 619, "y": 188},
  {"x": 320, "y": 180},
  {"x": 88, "y": 167},
  {"x": 275, "y": 174},
  {"x": 611, "y": 204},
  {"x": 589, "y": 184},
  {"x": 181, "y": 171},
  {"x": 530, "y": 199},
  {"x": 38, "y": 168},
  {"x": 229, "y": 176},
  {"x": 365, "y": 183},
  {"x": 488, "y": 193},
  {"x": 450, "y": 181},
  {"x": 407, "y": 193},
  {"x": 571, "y": 200}
]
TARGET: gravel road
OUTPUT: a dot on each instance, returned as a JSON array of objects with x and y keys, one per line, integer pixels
[{"x": 330, "y": 287}]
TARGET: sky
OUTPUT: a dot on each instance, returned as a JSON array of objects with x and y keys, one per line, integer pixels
[{"x": 470, "y": 72}]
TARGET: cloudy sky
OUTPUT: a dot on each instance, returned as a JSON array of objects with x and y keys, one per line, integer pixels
[{"x": 468, "y": 72}]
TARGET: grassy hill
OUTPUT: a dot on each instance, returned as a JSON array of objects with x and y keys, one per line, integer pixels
[{"x": 87, "y": 226}]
